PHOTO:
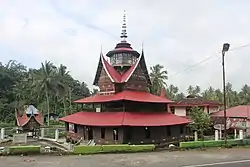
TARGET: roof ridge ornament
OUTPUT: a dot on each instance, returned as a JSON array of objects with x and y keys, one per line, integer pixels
[{"x": 124, "y": 34}]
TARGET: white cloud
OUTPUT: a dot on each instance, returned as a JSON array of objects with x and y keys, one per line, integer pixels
[{"x": 176, "y": 34}]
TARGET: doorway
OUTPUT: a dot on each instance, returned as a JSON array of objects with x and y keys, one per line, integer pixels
[
  {"x": 128, "y": 134},
  {"x": 90, "y": 133}
]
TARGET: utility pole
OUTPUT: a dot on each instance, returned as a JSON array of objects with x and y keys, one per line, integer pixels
[{"x": 225, "y": 49}]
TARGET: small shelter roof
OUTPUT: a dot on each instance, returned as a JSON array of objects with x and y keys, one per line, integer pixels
[{"x": 27, "y": 115}]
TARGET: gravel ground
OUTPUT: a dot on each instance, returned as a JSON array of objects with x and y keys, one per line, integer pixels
[{"x": 153, "y": 159}]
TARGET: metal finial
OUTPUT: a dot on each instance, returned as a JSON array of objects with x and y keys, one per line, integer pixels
[{"x": 124, "y": 28}]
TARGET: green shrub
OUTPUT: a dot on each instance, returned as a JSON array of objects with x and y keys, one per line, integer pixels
[
  {"x": 112, "y": 148},
  {"x": 141, "y": 148},
  {"x": 246, "y": 141},
  {"x": 115, "y": 148},
  {"x": 87, "y": 149},
  {"x": 14, "y": 150},
  {"x": 235, "y": 142},
  {"x": 210, "y": 143},
  {"x": 5, "y": 125}
]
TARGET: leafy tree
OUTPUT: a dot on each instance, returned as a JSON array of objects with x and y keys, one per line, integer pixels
[
  {"x": 47, "y": 88},
  {"x": 193, "y": 90},
  {"x": 201, "y": 121},
  {"x": 171, "y": 91},
  {"x": 190, "y": 89},
  {"x": 52, "y": 88},
  {"x": 94, "y": 91},
  {"x": 179, "y": 96}
]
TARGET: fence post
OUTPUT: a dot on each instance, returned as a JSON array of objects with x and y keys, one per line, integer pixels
[
  {"x": 241, "y": 134},
  {"x": 42, "y": 133},
  {"x": 235, "y": 133},
  {"x": 216, "y": 135},
  {"x": 2, "y": 134},
  {"x": 56, "y": 134},
  {"x": 195, "y": 136},
  {"x": 220, "y": 134}
]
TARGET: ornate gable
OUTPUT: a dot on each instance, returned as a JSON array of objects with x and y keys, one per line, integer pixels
[
  {"x": 137, "y": 77},
  {"x": 103, "y": 78},
  {"x": 98, "y": 72},
  {"x": 141, "y": 67},
  {"x": 114, "y": 75}
]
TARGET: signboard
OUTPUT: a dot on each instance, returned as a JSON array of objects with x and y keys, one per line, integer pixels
[{"x": 20, "y": 138}]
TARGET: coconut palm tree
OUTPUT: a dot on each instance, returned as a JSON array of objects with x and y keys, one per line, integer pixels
[
  {"x": 63, "y": 88},
  {"x": 46, "y": 81},
  {"x": 158, "y": 77},
  {"x": 190, "y": 90}
]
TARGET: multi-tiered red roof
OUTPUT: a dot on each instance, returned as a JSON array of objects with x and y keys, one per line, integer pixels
[
  {"x": 125, "y": 65},
  {"x": 124, "y": 118}
]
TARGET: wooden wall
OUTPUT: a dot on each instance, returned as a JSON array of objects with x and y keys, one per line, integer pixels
[
  {"x": 104, "y": 83},
  {"x": 137, "y": 81}
]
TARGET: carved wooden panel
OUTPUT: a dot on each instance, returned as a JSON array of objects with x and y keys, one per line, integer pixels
[
  {"x": 137, "y": 81},
  {"x": 104, "y": 83}
]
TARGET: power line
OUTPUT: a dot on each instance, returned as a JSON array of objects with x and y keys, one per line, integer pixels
[{"x": 207, "y": 59}]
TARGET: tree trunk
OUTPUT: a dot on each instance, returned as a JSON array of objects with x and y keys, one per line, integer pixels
[
  {"x": 70, "y": 107},
  {"x": 47, "y": 101},
  {"x": 64, "y": 106},
  {"x": 56, "y": 103}
]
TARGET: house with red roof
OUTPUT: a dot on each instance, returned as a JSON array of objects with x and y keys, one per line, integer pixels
[
  {"x": 29, "y": 120},
  {"x": 124, "y": 111},
  {"x": 183, "y": 107},
  {"x": 237, "y": 117}
]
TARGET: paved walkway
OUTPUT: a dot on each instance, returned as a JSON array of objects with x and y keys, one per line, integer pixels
[{"x": 213, "y": 158}]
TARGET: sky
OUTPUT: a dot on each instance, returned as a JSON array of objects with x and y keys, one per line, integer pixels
[{"x": 176, "y": 34}]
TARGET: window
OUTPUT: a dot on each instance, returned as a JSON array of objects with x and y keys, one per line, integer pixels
[
  {"x": 71, "y": 127},
  {"x": 127, "y": 58},
  {"x": 75, "y": 128},
  {"x": 147, "y": 133},
  {"x": 168, "y": 130},
  {"x": 188, "y": 130},
  {"x": 115, "y": 134},
  {"x": 112, "y": 60},
  {"x": 102, "y": 133},
  {"x": 119, "y": 59},
  {"x": 67, "y": 126},
  {"x": 172, "y": 110}
]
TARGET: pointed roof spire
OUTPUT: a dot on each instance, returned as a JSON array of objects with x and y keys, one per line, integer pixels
[{"x": 124, "y": 28}]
